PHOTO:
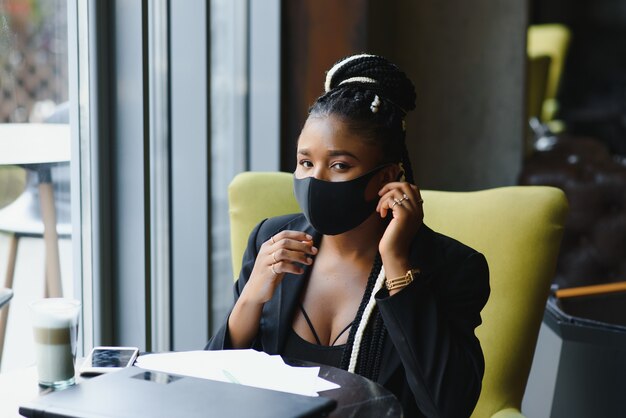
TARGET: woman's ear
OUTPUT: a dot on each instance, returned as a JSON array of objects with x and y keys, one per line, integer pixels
[{"x": 391, "y": 173}]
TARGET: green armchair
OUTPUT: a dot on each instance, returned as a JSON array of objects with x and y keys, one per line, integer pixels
[
  {"x": 552, "y": 40},
  {"x": 518, "y": 229}
]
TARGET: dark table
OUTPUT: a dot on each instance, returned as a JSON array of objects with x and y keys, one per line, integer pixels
[{"x": 357, "y": 396}]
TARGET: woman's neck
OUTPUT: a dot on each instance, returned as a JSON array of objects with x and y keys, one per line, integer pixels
[{"x": 360, "y": 242}]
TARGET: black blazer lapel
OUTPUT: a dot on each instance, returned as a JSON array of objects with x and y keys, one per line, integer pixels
[{"x": 278, "y": 312}]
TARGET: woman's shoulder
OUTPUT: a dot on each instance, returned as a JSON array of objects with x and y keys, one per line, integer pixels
[
  {"x": 452, "y": 246},
  {"x": 443, "y": 248},
  {"x": 464, "y": 268}
]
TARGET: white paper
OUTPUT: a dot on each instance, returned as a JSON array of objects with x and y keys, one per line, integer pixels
[{"x": 246, "y": 367}]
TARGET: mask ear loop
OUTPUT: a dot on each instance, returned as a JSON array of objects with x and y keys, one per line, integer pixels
[{"x": 401, "y": 174}]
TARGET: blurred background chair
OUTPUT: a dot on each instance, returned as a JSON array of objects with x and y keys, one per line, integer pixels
[
  {"x": 43, "y": 209},
  {"x": 518, "y": 229},
  {"x": 550, "y": 40}
]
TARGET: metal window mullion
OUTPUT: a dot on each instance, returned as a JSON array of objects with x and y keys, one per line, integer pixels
[
  {"x": 129, "y": 169},
  {"x": 79, "y": 94},
  {"x": 159, "y": 152},
  {"x": 190, "y": 167}
]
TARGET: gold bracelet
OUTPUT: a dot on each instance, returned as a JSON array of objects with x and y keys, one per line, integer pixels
[{"x": 401, "y": 281}]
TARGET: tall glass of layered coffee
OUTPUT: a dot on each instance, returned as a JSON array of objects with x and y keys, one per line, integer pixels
[{"x": 55, "y": 329}]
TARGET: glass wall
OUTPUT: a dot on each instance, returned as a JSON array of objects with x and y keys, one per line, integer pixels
[
  {"x": 147, "y": 276},
  {"x": 36, "y": 159}
]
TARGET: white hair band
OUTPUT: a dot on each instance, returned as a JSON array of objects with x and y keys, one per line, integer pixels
[
  {"x": 358, "y": 80},
  {"x": 332, "y": 71}
]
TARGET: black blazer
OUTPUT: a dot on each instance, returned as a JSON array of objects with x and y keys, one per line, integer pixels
[{"x": 432, "y": 361}]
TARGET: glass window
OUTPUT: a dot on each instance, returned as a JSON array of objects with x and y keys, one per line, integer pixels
[
  {"x": 245, "y": 122},
  {"x": 36, "y": 159}
]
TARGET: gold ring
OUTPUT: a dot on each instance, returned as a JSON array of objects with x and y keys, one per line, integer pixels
[
  {"x": 396, "y": 202},
  {"x": 273, "y": 271},
  {"x": 274, "y": 257}
]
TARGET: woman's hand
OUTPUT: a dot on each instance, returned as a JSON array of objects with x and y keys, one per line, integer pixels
[
  {"x": 405, "y": 203},
  {"x": 283, "y": 253}
]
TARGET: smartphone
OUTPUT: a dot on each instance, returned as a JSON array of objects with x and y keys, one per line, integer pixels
[{"x": 108, "y": 359}]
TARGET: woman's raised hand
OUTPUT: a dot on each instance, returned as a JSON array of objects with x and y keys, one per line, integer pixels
[
  {"x": 284, "y": 252},
  {"x": 405, "y": 202}
]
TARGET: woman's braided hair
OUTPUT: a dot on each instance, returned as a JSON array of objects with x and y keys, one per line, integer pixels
[{"x": 372, "y": 97}]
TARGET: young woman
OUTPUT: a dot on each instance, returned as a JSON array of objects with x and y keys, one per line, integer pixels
[{"x": 357, "y": 281}]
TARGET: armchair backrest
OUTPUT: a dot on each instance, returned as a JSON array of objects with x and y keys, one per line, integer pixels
[{"x": 518, "y": 229}]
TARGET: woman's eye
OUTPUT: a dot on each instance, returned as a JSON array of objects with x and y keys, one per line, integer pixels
[
  {"x": 340, "y": 166},
  {"x": 306, "y": 163}
]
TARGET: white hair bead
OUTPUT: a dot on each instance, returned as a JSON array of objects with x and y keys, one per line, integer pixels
[{"x": 375, "y": 104}]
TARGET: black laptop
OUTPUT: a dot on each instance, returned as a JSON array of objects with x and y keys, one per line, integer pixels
[{"x": 136, "y": 392}]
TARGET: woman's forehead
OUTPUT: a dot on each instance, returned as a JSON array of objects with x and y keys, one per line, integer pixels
[{"x": 330, "y": 133}]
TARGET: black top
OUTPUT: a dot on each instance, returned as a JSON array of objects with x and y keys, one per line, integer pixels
[{"x": 298, "y": 347}]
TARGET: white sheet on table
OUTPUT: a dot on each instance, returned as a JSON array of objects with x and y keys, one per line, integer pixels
[{"x": 247, "y": 367}]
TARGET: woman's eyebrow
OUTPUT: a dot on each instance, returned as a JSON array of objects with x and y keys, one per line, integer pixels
[
  {"x": 331, "y": 153},
  {"x": 340, "y": 152}
]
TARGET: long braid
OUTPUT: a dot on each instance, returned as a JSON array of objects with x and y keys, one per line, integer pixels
[
  {"x": 363, "y": 351},
  {"x": 371, "y": 366},
  {"x": 372, "y": 96},
  {"x": 371, "y": 280},
  {"x": 361, "y": 343}
]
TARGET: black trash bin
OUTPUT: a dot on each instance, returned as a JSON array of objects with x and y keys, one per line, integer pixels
[{"x": 579, "y": 369}]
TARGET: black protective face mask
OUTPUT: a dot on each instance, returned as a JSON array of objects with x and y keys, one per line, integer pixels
[{"x": 333, "y": 208}]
